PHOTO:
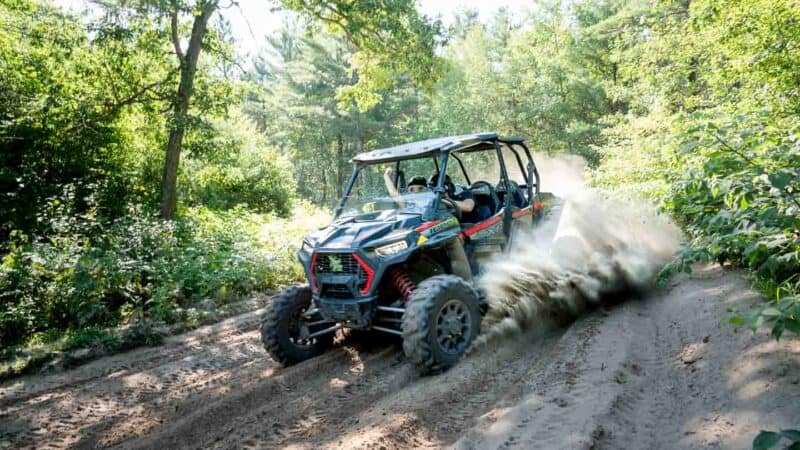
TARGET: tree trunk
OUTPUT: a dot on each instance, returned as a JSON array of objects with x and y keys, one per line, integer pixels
[
  {"x": 324, "y": 201},
  {"x": 339, "y": 165},
  {"x": 614, "y": 73},
  {"x": 180, "y": 105}
]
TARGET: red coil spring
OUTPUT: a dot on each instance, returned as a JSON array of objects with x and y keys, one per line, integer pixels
[{"x": 402, "y": 282}]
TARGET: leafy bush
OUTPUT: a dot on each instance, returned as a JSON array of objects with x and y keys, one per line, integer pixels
[
  {"x": 738, "y": 201},
  {"x": 711, "y": 134},
  {"x": 731, "y": 180},
  {"x": 87, "y": 273},
  {"x": 231, "y": 165},
  {"x": 63, "y": 97},
  {"x": 636, "y": 156}
]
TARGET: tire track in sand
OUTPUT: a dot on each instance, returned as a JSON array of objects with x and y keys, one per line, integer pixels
[{"x": 648, "y": 374}]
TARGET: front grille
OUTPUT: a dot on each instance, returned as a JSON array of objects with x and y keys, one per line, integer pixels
[
  {"x": 336, "y": 291},
  {"x": 337, "y": 263}
]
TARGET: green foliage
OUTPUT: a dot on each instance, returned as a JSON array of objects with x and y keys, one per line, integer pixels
[
  {"x": 637, "y": 156},
  {"x": 528, "y": 81},
  {"x": 293, "y": 100},
  {"x": 769, "y": 439},
  {"x": 90, "y": 273},
  {"x": 738, "y": 201},
  {"x": 711, "y": 134},
  {"x": 738, "y": 195},
  {"x": 392, "y": 38},
  {"x": 753, "y": 48},
  {"x": 231, "y": 165},
  {"x": 57, "y": 115}
]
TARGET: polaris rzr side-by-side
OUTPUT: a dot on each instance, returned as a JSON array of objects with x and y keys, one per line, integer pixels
[{"x": 413, "y": 227}]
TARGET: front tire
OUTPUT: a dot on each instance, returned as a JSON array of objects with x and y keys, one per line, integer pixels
[
  {"x": 441, "y": 320},
  {"x": 284, "y": 328}
]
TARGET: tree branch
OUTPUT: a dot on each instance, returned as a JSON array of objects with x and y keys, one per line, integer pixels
[
  {"x": 226, "y": 58},
  {"x": 176, "y": 41},
  {"x": 114, "y": 108},
  {"x": 734, "y": 150}
]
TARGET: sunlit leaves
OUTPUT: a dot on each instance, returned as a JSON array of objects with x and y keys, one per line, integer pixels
[
  {"x": 740, "y": 205},
  {"x": 392, "y": 38}
]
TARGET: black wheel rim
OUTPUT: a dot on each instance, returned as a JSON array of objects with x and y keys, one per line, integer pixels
[
  {"x": 299, "y": 330},
  {"x": 453, "y": 327}
]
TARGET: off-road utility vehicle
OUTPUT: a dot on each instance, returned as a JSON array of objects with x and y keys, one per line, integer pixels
[{"x": 383, "y": 265}]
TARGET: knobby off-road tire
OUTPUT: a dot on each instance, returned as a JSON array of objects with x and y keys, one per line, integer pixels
[
  {"x": 280, "y": 324},
  {"x": 430, "y": 311}
]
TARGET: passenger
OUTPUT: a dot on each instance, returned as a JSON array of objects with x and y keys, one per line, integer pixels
[
  {"x": 416, "y": 185},
  {"x": 388, "y": 179}
]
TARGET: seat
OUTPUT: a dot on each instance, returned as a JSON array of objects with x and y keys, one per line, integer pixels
[
  {"x": 517, "y": 195},
  {"x": 485, "y": 194}
]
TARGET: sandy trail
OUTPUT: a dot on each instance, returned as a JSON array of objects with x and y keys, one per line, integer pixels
[{"x": 661, "y": 372}]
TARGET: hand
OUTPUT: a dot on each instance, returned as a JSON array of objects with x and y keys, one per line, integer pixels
[{"x": 389, "y": 173}]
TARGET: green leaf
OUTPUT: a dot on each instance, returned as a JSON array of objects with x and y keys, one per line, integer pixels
[
  {"x": 771, "y": 312},
  {"x": 793, "y": 435},
  {"x": 736, "y": 320},
  {"x": 792, "y": 325},
  {"x": 780, "y": 179},
  {"x": 766, "y": 440},
  {"x": 743, "y": 203}
]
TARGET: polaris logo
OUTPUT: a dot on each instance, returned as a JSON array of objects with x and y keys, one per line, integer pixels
[{"x": 335, "y": 263}]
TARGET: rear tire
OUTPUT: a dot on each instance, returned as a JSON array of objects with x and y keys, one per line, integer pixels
[
  {"x": 281, "y": 328},
  {"x": 441, "y": 320}
]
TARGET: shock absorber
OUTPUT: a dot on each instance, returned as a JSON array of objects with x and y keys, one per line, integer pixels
[{"x": 402, "y": 282}]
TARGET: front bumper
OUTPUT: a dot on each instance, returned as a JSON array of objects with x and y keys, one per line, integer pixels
[{"x": 357, "y": 313}]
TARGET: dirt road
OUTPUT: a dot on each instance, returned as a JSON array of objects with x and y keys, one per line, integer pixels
[{"x": 660, "y": 372}]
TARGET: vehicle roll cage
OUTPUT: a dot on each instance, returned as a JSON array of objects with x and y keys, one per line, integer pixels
[{"x": 440, "y": 150}]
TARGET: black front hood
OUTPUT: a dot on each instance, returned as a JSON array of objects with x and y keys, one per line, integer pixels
[{"x": 358, "y": 231}]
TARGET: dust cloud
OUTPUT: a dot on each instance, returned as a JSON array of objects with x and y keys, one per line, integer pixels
[{"x": 591, "y": 249}]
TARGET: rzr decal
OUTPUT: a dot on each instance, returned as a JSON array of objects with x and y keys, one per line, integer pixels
[{"x": 438, "y": 227}]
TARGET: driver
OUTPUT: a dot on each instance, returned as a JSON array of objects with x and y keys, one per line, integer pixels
[
  {"x": 465, "y": 203},
  {"x": 471, "y": 212}
]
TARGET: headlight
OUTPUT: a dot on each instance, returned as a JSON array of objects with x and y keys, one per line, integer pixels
[{"x": 391, "y": 249}]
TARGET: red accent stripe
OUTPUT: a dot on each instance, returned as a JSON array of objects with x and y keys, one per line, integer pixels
[
  {"x": 427, "y": 225},
  {"x": 538, "y": 205},
  {"x": 483, "y": 225},
  {"x": 311, "y": 271},
  {"x": 521, "y": 212},
  {"x": 368, "y": 269}
]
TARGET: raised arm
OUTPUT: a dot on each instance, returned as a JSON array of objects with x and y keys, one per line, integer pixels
[{"x": 388, "y": 178}]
